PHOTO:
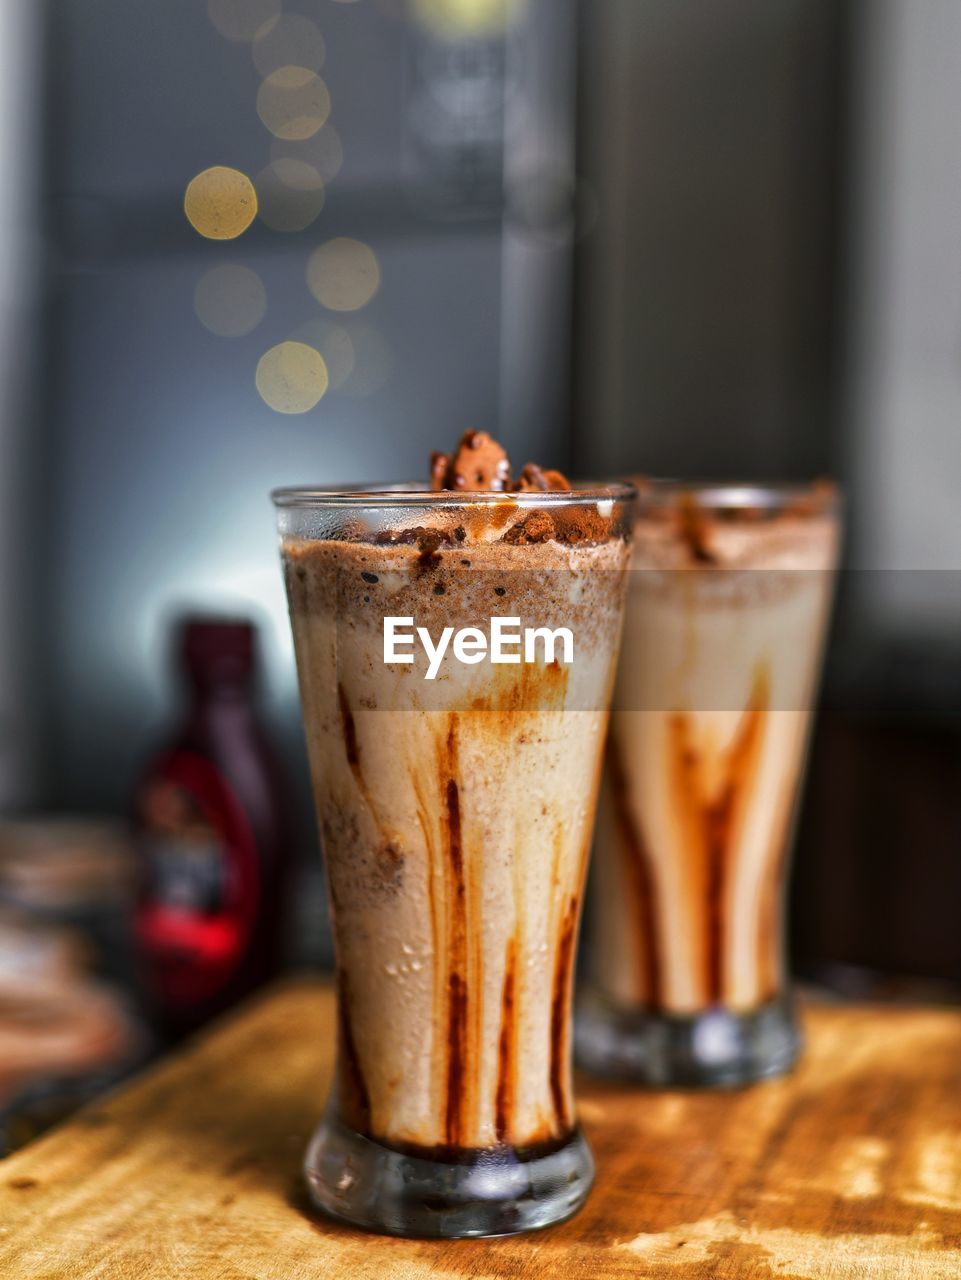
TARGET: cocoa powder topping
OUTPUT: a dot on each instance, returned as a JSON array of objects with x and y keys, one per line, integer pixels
[
  {"x": 427, "y": 541},
  {"x": 537, "y": 527}
]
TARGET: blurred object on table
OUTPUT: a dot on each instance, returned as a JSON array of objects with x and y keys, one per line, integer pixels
[
  {"x": 75, "y": 871},
  {"x": 65, "y": 1033},
  {"x": 60, "y": 1045},
  {"x": 212, "y": 833}
]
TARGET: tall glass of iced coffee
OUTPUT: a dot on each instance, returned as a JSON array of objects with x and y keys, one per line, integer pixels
[
  {"x": 456, "y": 651},
  {"x": 728, "y": 600}
]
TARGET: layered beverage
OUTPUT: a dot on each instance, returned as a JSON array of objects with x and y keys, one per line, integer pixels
[
  {"x": 455, "y": 782},
  {"x": 727, "y": 607}
]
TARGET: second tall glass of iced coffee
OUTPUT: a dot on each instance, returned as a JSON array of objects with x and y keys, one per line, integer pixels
[
  {"x": 728, "y": 601},
  {"x": 456, "y": 800}
]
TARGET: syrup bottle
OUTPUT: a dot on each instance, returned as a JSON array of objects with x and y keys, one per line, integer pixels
[{"x": 210, "y": 827}]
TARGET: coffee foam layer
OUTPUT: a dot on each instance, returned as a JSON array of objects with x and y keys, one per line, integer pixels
[
  {"x": 666, "y": 540},
  {"x": 545, "y": 582}
]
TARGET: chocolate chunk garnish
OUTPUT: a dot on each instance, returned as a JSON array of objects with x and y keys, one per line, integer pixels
[
  {"x": 439, "y": 462},
  {"x": 570, "y": 527},
  {"x": 428, "y": 550},
  {"x": 580, "y": 524},
  {"x": 479, "y": 463},
  {"x": 537, "y": 527},
  {"x": 533, "y": 479},
  {"x": 426, "y": 540}
]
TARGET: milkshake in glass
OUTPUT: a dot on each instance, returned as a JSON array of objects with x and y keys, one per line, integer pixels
[
  {"x": 728, "y": 600},
  {"x": 456, "y": 799}
]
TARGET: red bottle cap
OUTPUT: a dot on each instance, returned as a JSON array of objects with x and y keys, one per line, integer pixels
[{"x": 218, "y": 650}]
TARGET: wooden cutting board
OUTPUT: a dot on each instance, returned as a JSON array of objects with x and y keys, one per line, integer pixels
[{"x": 850, "y": 1168}]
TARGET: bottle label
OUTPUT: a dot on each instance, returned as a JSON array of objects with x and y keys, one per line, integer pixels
[{"x": 200, "y": 888}]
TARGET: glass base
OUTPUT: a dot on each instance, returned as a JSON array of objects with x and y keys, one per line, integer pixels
[
  {"x": 715, "y": 1049},
  {"x": 492, "y": 1193}
]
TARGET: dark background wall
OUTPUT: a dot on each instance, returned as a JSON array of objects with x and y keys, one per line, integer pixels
[{"x": 707, "y": 320}]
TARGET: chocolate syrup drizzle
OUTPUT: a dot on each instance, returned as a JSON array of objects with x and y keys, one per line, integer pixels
[
  {"x": 639, "y": 874},
  {"x": 455, "y": 1119},
  {"x": 710, "y": 827},
  {"x": 460, "y": 1005},
  {"x": 506, "y": 1049},
  {"x": 560, "y": 1019},
  {"x": 354, "y": 1098}
]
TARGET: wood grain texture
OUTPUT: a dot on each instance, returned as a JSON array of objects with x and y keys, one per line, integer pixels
[{"x": 851, "y": 1168}]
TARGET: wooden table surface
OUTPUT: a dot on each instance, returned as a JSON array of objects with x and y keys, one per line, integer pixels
[{"x": 850, "y": 1168}]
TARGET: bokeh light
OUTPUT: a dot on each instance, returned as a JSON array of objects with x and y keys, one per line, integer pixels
[
  {"x": 334, "y": 344},
  {"x": 242, "y": 19},
  {"x": 290, "y": 194},
  {"x": 290, "y": 40},
  {"x": 293, "y": 102},
  {"x": 343, "y": 274},
  {"x": 373, "y": 361},
  {"x": 322, "y": 150},
  {"x": 220, "y": 203},
  {"x": 458, "y": 18},
  {"x": 230, "y": 300},
  {"x": 291, "y": 377}
]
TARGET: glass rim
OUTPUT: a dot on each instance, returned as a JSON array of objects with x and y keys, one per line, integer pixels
[
  {"x": 417, "y": 494},
  {"x": 809, "y": 497}
]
